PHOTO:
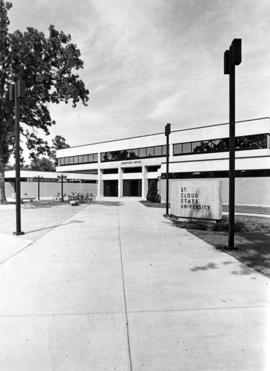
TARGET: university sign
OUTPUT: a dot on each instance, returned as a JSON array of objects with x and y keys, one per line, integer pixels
[{"x": 200, "y": 199}]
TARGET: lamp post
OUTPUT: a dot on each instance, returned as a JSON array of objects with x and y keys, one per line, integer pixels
[
  {"x": 232, "y": 58},
  {"x": 167, "y": 134},
  {"x": 39, "y": 179},
  {"x": 16, "y": 93},
  {"x": 61, "y": 179}
]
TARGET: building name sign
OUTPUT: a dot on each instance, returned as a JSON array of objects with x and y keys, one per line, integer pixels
[
  {"x": 136, "y": 162},
  {"x": 196, "y": 199}
]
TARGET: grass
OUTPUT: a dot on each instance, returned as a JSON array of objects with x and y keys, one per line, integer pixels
[
  {"x": 242, "y": 224},
  {"x": 252, "y": 239},
  {"x": 159, "y": 205}
]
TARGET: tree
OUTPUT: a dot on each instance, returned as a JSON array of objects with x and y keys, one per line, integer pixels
[
  {"x": 42, "y": 164},
  {"x": 58, "y": 142},
  {"x": 49, "y": 68}
]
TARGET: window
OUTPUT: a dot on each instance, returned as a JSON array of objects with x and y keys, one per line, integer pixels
[
  {"x": 129, "y": 154},
  {"x": 205, "y": 146},
  {"x": 216, "y": 145},
  {"x": 82, "y": 159},
  {"x": 164, "y": 150},
  {"x": 246, "y": 142},
  {"x": 132, "y": 153},
  {"x": 186, "y": 148},
  {"x": 158, "y": 151},
  {"x": 110, "y": 171},
  {"x": 177, "y": 149},
  {"x": 152, "y": 168},
  {"x": 142, "y": 152},
  {"x": 132, "y": 170},
  {"x": 195, "y": 146},
  {"x": 150, "y": 151}
]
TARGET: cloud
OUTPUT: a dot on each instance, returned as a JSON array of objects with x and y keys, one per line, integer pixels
[{"x": 150, "y": 61}]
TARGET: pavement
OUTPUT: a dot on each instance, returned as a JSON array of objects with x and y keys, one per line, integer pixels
[{"x": 117, "y": 287}]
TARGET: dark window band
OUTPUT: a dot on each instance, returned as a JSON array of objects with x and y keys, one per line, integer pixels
[
  {"x": 242, "y": 143},
  {"x": 131, "y": 154},
  {"x": 77, "y": 160},
  {"x": 218, "y": 174}
]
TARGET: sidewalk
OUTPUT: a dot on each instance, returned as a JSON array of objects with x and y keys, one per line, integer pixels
[{"x": 117, "y": 287}]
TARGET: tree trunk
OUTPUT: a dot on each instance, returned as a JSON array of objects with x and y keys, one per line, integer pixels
[{"x": 2, "y": 183}]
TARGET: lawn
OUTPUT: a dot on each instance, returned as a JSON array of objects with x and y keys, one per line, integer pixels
[{"x": 252, "y": 239}]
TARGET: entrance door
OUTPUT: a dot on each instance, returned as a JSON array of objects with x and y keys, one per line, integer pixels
[
  {"x": 110, "y": 188},
  {"x": 132, "y": 188}
]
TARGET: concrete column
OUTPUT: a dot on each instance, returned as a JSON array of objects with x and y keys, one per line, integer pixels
[
  {"x": 120, "y": 182},
  {"x": 144, "y": 182},
  {"x": 100, "y": 183}
]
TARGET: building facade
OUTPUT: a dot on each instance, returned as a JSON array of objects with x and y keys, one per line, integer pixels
[
  {"x": 126, "y": 167},
  {"x": 46, "y": 184}
]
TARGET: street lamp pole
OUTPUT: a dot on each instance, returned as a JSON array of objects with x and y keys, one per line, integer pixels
[
  {"x": 62, "y": 177},
  {"x": 16, "y": 92},
  {"x": 232, "y": 57},
  {"x": 39, "y": 180},
  {"x": 167, "y": 134}
]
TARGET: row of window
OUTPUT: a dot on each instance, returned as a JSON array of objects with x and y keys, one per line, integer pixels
[
  {"x": 76, "y": 160},
  {"x": 131, "y": 154},
  {"x": 219, "y": 174},
  {"x": 221, "y": 145},
  {"x": 247, "y": 142},
  {"x": 131, "y": 170}
]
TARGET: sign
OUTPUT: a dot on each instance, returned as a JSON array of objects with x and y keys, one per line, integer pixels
[
  {"x": 136, "y": 162},
  {"x": 196, "y": 199}
]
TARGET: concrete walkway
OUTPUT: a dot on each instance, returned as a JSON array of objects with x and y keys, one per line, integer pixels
[{"x": 117, "y": 287}]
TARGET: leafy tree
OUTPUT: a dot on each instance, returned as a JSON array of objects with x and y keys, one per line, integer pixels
[
  {"x": 58, "y": 142},
  {"x": 152, "y": 194},
  {"x": 42, "y": 164},
  {"x": 49, "y": 68}
]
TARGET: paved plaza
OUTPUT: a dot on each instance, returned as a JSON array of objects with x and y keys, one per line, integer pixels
[{"x": 117, "y": 287}]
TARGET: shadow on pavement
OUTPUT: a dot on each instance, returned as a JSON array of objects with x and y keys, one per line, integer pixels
[
  {"x": 42, "y": 204},
  {"x": 108, "y": 203},
  {"x": 252, "y": 249},
  {"x": 54, "y": 226},
  {"x": 204, "y": 267},
  {"x": 159, "y": 205}
]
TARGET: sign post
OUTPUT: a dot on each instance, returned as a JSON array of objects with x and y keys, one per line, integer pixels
[
  {"x": 232, "y": 58},
  {"x": 16, "y": 92},
  {"x": 167, "y": 133}
]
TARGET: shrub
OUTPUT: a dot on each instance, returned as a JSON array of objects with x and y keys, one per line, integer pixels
[{"x": 152, "y": 194}]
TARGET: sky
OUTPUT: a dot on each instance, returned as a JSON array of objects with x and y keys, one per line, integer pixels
[{"x": 150, "y": 62}]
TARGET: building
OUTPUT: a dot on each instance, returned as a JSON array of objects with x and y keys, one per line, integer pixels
[
  {"x": 126, "y": 167},
  {"x": 47, "y": 184}
]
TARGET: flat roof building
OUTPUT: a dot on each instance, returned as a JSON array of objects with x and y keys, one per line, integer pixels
[
  {"x": 46, "y": 184},
  {"x": 126, "y": 167}
]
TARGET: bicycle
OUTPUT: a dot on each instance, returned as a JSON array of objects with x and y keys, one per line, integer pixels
[
  {"x": 92, "y": 197},
  {"x": 57, "y": 197}
]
